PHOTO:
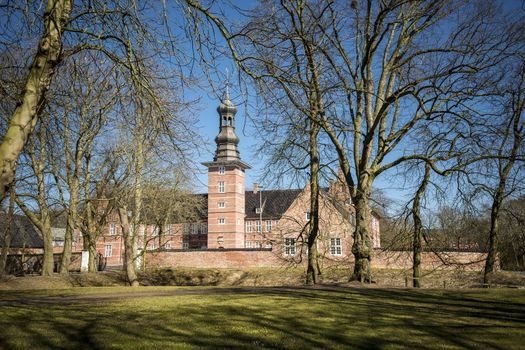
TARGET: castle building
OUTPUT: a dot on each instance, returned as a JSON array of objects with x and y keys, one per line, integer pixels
[
  {"x": 235, "y": 219},
  {"x": 245, "y": 229}
]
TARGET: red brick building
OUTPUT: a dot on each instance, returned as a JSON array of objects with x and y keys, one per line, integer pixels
[{"x": 242, "y": 220}]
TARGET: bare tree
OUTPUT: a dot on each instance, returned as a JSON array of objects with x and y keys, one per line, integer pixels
[
  {"x": 37, "y": 82},
  {"x": 123, "y": 32},
  {"x": 510, "y": 149},
  {"x": 34, "y": 188},
  {"x": 82, "y": 104},
  {"x": 378, "y": 70}
]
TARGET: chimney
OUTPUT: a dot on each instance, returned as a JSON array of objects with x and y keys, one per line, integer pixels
[{"x": 255, "y": 188}]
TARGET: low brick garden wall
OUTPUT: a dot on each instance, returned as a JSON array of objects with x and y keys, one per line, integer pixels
[{"x": 264, "y": 258}]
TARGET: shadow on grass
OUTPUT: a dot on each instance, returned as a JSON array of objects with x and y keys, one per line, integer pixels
[{"x": 285, "y": 318}]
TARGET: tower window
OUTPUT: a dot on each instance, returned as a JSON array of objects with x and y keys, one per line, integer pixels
[
  {"x": 221, "y": 221},
  {"x": 221, "y": 186},
  {"x": 224, "y": 121},
  {"x": 230, "y": 122},
  {"x": 222, "y": 170},
  {"x": 221, "y": 205}
]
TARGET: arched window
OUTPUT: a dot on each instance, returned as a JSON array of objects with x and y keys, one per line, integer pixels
[{"x": 229, "y": 121}]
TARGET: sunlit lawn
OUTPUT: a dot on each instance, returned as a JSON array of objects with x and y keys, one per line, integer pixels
[{"x": 266, "y": 317}]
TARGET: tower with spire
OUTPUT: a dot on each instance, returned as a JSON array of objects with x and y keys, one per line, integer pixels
[{"x": 226, "y": 183}]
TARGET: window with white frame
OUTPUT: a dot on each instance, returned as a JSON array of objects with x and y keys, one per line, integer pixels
[
  {"x": 222, "y": 170},
  {"x": 335, "y": 246},
  {"x": 268, "y": 225},
  {"x": 257, "y": 244},
  {"x": 186, "y": 229},
  {"x": 185, "y": 245},
  {"x": 108, "y": 250},
  {"x": 221, "y": 186},
  {"x": 168, "y": 230},
  {"x": 258, "y": 226},
  {"x": 204, "y": 228},
  {"x": 221, "y": 221},
  {"x": 248, "y": 244},
  {"x": 248, "y": 226},
  {"x": 221, "y": 204},
  {"x": 167, "y": 245},
  {"x": 289, "y": 246},
  {"x": 307, "y": 215},
  {"x": 112, "y": 229}
]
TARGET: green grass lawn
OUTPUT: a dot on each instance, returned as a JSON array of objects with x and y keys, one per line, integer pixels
[{"x": 288, "y": 318}]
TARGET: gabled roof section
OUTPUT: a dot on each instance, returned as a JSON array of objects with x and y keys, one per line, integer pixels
[
  {"x": 275, "y": 202},
  {"x": 23, "y": 233}
]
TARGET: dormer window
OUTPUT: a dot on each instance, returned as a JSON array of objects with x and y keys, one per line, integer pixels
[{"x": 222, "y": 170}]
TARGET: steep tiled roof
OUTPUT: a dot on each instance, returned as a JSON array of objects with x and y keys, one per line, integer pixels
[
  {"x": 276, "y": 202},
  {"x": 23, "y": 233}
]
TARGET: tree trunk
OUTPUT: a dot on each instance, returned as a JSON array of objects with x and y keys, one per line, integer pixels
[
  {"x": 417, "y": 245},
  {"x": 312, "y": 270},
  {"x": 49, "y": 261},
  {"x": 70, "y": 228},
  {"x": 7, "y": 232},
  {"x": 490, "y": 263},
  {"x": 137, "y": 194},
  {"x": 129, "y": 246},
  {"x": 66, "y": 253},
  {"x": 92, "y": 261},
  {"x": 38, "y": 80},
  {"x": 362, "y": 246}
]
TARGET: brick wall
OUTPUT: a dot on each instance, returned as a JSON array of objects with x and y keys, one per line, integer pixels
[
  {"x": 252, "y": 258},
  {"x": 403, "y": 260}
]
